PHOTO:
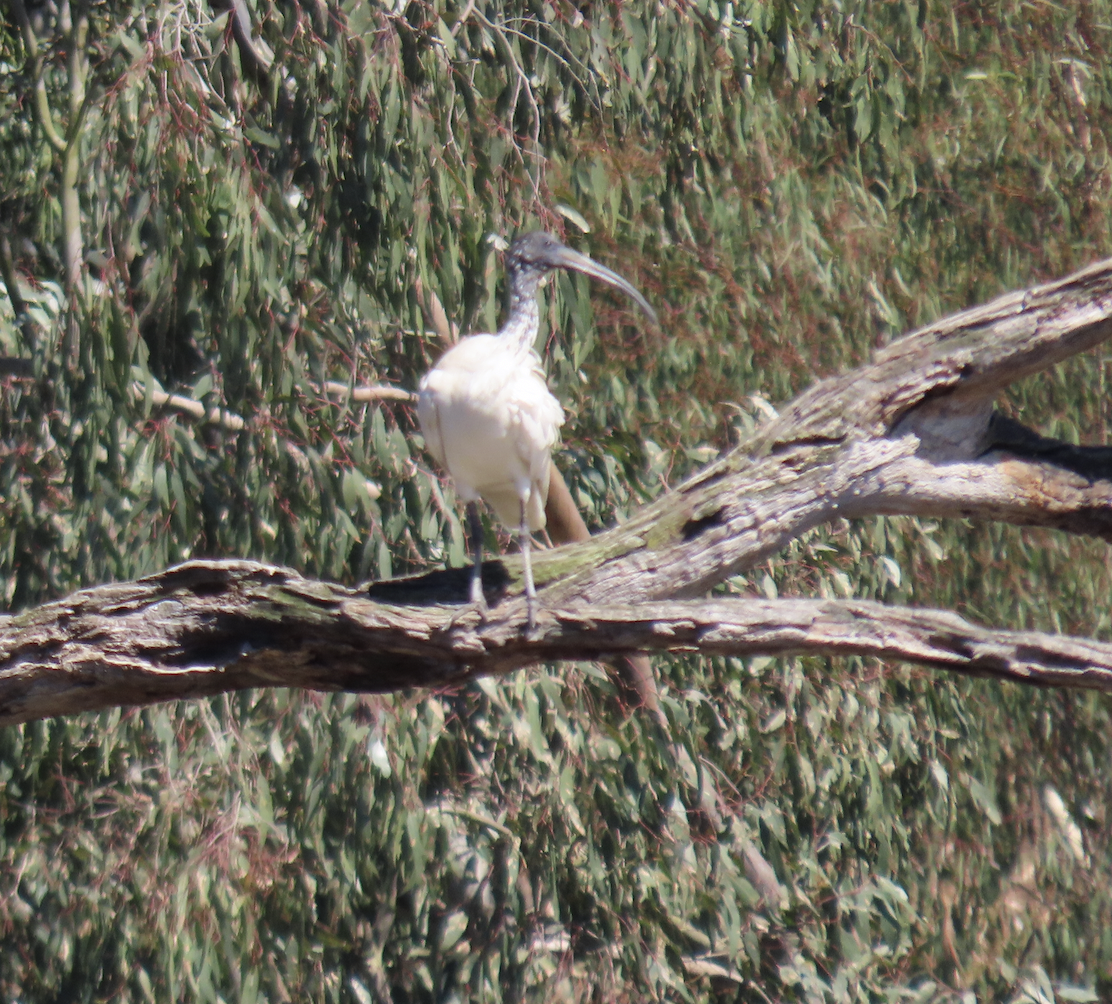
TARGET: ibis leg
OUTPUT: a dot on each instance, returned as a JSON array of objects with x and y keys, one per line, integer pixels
[
  {"x": 475, "y": 525},
  {"x": 527, "y": 562}
]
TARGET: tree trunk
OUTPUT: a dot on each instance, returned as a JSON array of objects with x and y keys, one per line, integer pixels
[{"x": 913, "y": 432}]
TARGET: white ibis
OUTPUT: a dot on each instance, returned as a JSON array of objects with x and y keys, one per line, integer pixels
[{"x": 487, "y": 414}]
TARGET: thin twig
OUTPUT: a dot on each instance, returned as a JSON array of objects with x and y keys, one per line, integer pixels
[
  {"x": 462, "y": 19},
  {"x": 195, "y": 409},
  {"x": 521, "y": 83},
  {"x": 235, "y": 423},
  {"x": 369, "y": 393}
]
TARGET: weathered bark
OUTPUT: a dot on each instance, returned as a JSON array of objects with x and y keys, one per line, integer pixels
[
  {"x": 912, "y": 432},
  {"x": 211, "y": 626}
]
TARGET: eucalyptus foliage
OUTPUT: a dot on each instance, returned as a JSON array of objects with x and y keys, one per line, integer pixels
[{"x": 792, "y": 184}]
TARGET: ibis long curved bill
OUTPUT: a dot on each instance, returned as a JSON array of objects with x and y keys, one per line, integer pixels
[{"x": 565, "y": 257}]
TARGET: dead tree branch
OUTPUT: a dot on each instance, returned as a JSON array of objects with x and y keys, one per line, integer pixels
[
  {"x": 912, "y": 432},
  {"x": 206, "y": 627}
]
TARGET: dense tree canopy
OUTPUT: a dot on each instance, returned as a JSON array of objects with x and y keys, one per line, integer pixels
[{"x": 259, "y": 208}]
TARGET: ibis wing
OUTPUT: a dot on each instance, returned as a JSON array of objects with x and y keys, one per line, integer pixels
[
  {"x": 428, "y": 417},
  {"x": 490, "y": 420},
  {"x": 536, "y": 430}
]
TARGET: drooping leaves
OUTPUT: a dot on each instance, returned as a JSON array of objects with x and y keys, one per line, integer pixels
[{"x": 790, "y": 184}]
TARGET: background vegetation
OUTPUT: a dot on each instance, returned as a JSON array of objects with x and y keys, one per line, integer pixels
[{"x": 791, "y": 184}]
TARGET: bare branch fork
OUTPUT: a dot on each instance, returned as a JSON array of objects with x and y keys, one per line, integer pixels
[{"x": 912, "y": 432}]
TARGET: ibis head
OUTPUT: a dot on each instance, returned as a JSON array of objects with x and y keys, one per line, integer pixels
[{"x": 532, "y": 256}]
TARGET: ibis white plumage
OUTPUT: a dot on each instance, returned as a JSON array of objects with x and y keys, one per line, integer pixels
[{"x": 487, "y": 414}]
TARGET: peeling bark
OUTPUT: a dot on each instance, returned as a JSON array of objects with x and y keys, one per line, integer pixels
[{"x": 913, "y": 432}]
